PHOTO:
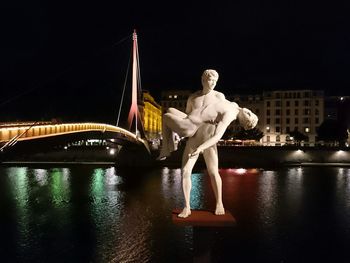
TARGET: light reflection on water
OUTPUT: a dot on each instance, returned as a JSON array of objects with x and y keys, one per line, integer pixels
[
  {"x": 197, "y": 192},
  {"x": 294, "y": 189},
  {"x": 18, "y": 181},
  {"x": 171, "y": 185},
  {"x": 60, "y": 190},
  {"x": 41, "y": 176},
  {"x": 267, "y": 196},
  {"x": 343, "y": 194},
  {"x": 102, "y": 214}
]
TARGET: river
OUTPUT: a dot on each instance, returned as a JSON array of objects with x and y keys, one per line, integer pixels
[{"x": 98, "y": 213}]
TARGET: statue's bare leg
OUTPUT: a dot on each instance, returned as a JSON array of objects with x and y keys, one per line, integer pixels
[
  {"x": 177, "y": 112},
  {"x": 211, "y": 159},
  {"x": 174, "y": 123},
  {"x": 187, "y": 166}
]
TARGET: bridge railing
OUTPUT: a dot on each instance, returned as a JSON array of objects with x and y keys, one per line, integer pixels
[{"x": 39, "y": 131}]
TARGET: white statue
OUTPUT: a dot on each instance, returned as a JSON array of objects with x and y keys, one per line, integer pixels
[{"x": 208, "y": 116}]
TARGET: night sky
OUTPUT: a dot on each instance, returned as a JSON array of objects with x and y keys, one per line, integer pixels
[{"x": 68, "y": 60}]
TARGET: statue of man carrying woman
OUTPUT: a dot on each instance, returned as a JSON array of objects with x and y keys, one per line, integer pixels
[{"x": 207, "y": 116}]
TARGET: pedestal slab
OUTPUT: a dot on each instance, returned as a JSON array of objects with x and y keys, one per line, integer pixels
[{"x": 204, "y": 218}]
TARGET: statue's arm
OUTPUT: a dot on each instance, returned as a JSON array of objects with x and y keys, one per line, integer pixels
[
  {"x": 219, "y": 132},
  {"x": 189, "y": 105}
]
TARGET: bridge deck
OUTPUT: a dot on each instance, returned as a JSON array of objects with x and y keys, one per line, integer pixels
[{"x": 31, "y": 131}]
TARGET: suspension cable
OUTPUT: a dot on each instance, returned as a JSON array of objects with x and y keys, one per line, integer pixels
[{"x": 122, "y": 97}]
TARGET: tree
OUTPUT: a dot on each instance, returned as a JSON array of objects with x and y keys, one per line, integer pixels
[
  {"x": 332, "y": 131},
  {"x": 298, "y": 136},
  {"x": 229, "y": 133},
  {"x": 253, "y": 134}
]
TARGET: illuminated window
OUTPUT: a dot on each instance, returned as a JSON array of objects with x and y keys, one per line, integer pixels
[
  {"x": 307, "y": 129},
  {"x": 170, "y": 96},
  {"x": 175, "y": 96}
]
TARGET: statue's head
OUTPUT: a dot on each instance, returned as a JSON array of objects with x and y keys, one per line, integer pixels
[
  {"x": 247, "y": 119},
  {"x": 209, "y": 79}
]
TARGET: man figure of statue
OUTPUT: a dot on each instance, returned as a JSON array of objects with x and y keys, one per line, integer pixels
[
  {"x": 207, "y": 116},
  {"x": 197, "y": 100}
]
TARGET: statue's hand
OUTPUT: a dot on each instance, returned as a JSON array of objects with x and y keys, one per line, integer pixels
[{"x": 195, "y": 153}]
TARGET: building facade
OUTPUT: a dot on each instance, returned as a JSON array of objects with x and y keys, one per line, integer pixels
[
  {"x": 175, "y": 99},
  {"x": 151, "y": 116},
  {"x": 280, "y": 112},
  {"x": 292, "y": 110}
]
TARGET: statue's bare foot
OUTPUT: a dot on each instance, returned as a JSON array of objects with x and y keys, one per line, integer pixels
[
  {"x": 220, "y": 210},
  {"x": 185, "y": 213}
]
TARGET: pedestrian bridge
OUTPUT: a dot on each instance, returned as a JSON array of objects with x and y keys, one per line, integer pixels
[
  {"x": 11, "y": 133},
  {"x": 33, "y": 134}
]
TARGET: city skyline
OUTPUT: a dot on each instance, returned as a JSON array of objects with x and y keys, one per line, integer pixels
[{"x": 76, "y": 56}]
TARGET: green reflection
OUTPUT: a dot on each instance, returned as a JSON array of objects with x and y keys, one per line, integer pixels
[
  {"x": 196, "y": 191},
  {"x": 60, "y": 185},
  {"x": 20, "y": 184},
  {"x": 18, "y": 178},
  {"x": 97, "y": 186}
]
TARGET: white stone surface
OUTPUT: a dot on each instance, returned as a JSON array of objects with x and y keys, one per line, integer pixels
[{"x": 207, "y": 116}]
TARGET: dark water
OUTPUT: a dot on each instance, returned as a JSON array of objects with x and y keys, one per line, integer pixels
[{"x": 101, "y": 214}]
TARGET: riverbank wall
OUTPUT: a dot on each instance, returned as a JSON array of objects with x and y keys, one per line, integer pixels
[
  {"x": 264, "y": 156},
  {"x": 229, "y": 156}
]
